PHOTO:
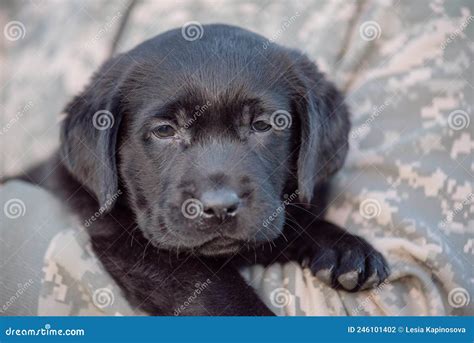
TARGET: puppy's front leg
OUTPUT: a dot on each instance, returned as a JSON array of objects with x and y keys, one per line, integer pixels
[
  {"x": 338, "y": 258},
  {"x": 161, "y": 284},
  {"x": 223, "y": 291}
]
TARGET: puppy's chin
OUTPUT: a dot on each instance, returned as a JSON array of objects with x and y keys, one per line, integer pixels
[
  {"x": 165, "y": 238},
  {"x": 217, "y": 246},
  {"x": 220, "y": 247}
]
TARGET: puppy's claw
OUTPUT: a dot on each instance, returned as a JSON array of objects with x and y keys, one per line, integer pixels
[
  {"x": 325, "y": 275},
  {"x": 349, "y": 280},
  {"x": 352, "y": 265},
  {"x": 323, "y": 265}
]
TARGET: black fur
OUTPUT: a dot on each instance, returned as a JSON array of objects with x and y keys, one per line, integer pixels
[{"x": 210, "y": 90}]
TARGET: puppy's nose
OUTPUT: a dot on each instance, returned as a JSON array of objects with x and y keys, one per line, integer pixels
[{"x": 220, "y": 203}]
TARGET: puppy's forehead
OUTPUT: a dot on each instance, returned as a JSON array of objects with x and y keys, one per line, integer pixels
[
  {"x": 225, "y": 108},
  {"x": 209, "y": 90},
  {"x": 209, "y": 77}
]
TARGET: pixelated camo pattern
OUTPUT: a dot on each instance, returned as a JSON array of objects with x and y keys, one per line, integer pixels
[{"x": 407, "y": 186}]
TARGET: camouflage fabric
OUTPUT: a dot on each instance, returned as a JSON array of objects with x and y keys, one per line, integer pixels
[
  {"x": 406, "y": 68},
  {"x": 78, "y": 288}
]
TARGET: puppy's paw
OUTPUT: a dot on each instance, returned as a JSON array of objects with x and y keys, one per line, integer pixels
[{"x": 351, "y": 264}]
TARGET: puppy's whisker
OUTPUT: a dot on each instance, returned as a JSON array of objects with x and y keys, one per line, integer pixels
[
  {"x": 314, "y": 215},
  {"x": 144, "y": 251},
  {"x": 294, "y": 222}
]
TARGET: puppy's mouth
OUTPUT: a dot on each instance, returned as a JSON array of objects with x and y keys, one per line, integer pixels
[{"x": 220, "y": 246}]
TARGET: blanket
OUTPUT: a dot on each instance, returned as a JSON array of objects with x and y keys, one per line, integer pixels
[{"x": 406, "y": 69}]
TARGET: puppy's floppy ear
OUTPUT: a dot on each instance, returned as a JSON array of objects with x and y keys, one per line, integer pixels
[
  {"x": 89, "y": 133},
  {"x": 324, "y": 125}
]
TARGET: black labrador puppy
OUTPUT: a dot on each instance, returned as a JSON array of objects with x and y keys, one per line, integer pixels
[{"x": 188, "y": 159}]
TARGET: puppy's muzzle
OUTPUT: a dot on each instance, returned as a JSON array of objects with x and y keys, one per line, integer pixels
[{"x": 220, "y": 203}]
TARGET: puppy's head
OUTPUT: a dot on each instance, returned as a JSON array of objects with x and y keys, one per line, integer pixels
[{"x": 206, "y": 136}]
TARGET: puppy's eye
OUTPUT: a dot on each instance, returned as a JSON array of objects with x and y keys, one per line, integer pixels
[
  {"x": 261, "y": 126},
  {"x": 164, "y": 131}
]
